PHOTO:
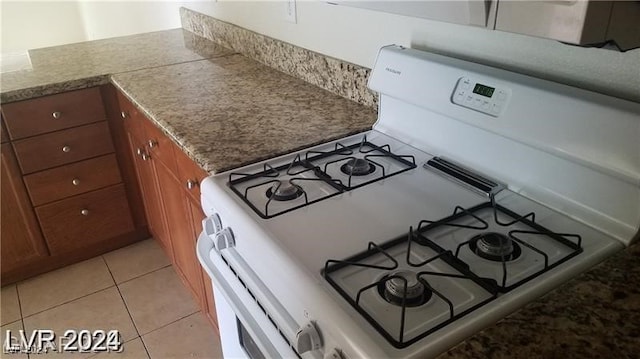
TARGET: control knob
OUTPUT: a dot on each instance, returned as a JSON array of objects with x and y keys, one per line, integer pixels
[
  {"x": 308, "y": 338},
  {"x": 212, "y": 225},
  {"x": 224, "y": 239}
]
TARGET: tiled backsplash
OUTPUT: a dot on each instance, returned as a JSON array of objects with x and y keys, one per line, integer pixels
[{"x": 340, "y": 77}]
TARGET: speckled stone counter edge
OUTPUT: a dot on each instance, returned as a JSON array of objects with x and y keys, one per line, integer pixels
[
  {"x": 52, "y": 89},
  {"x": 340, "y": 77}
]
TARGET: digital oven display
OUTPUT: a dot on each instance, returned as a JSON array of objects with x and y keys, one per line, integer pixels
[{"x": 483, "y": 90}]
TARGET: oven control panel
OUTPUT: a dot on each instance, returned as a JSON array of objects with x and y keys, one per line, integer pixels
[{"x": 480, "y": 96}]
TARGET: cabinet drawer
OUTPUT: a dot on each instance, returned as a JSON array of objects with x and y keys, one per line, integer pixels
[
  {"x": 190, "y": 174},
  {"x": 70, "y": 180},
  {"x": 53, "y": 113},
  {"x": 159, "y": 146},
  {"x": 85, "y": 219},
  {"x": 62, "y": 147}
]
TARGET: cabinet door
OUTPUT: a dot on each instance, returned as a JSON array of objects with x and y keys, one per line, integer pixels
[
  {"x": 181, "y": 232},
  {"x": 21, "y": 237},
  {"x": 190, "y": 176},
  {"x": 151, "y": 196}
]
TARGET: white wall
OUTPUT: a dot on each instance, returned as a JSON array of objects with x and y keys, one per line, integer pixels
[
  {"x": 34, "y": 24},
  {"x": 104, "y": 19},
  {"x": 27, "y": 25},
  {"x": 354, "y": 35}
]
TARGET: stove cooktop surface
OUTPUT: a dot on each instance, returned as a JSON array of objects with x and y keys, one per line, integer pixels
[{"x": 454, "y": 290}]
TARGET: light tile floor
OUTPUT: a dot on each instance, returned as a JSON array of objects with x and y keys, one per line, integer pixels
[{"x": 134, "y": 290}]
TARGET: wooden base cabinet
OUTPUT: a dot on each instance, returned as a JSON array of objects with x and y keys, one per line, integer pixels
[
  {"x": 63, "y": 195},
  {"x": 168, "y": 181}
]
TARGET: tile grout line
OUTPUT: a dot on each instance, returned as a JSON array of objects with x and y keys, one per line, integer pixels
[
  {"x": 65, "y": 302},
  {"x": 68, "y": 301},
  {"x": 121, "y": 297},
  {"x": 127, "y": 307},
  {"x": 144, "y": 345},
  {"x": 142, "y": 275},
  {"x": 162, "y": 326},
  {"x": 19, "y": 302},
  {"x": 172, "y": 322},
  {"x": 24, "y": 329}
]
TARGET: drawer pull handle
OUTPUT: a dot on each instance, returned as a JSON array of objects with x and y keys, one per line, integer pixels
[
  {"x": 84, "y": 212},
  {"x": 191, "y": 184},
  {"x": 152, "y": 143},
  {"x": 139, "y": 151},
  {"x": 56, "y": 115},
  {"x": 145, "y": 156},
  {"x": 66, "y": 149},
  {"x": 123, "y": 115},
  {"x": 75, "y": 182}
]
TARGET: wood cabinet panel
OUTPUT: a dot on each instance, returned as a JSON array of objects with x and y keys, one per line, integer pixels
[
  {"x": 62, "y": 147},
  {"x": 22, "y": 240},
  {"x": 189, "y": 168},
  {"x": 125, "y": 162},
  {"x": 53, "y": 113},
  {"x": 85, "y": 219},
  {"x": 180, "y": 230},
  {"x": 189, "y": 174},
  {"x": 160, "y": 147},
  {"x": 3, "y": 132},
  {"x": 208, "y": 302},
  {"x": 73, "y": 179},
  {"x": 132, "y": 119},
  {"x": 210, "y": 305},
  {"x": 151, "y": 196}
]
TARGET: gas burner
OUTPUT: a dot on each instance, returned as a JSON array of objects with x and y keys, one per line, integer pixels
[
  {"x": 358, "y": 167},
  {"x": 495, "y": 246},
  {"x": 392, "y": 288},
  {"x": 284, "y": 191}
]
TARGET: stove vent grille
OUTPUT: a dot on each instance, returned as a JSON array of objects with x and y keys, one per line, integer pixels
[{"x": 464, "y": 176}]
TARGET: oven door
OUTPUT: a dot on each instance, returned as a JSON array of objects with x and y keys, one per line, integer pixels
[{"x": 245, "y": 330}]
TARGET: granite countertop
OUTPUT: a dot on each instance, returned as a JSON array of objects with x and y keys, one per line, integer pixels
[
  {"x": 225, "y": 110},
  {"x": 230, "y": 111},
  {"x": 86, "y": 64}
]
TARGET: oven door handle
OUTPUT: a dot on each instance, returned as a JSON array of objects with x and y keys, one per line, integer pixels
[{"x": 245, "y": 308}]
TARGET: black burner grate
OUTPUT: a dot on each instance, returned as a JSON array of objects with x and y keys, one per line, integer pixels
[
  {"x": 307, "y": 165},
  {"x": 572, "y": 242},
  {"x": 421, "y": 237},
  {"x": 399, "y": 339}
]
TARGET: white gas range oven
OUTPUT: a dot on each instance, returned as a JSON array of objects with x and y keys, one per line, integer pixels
[{"x": 476, "y": 191}]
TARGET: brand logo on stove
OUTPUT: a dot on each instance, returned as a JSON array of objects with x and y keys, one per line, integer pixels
[{"x": 393, "y": 71}]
